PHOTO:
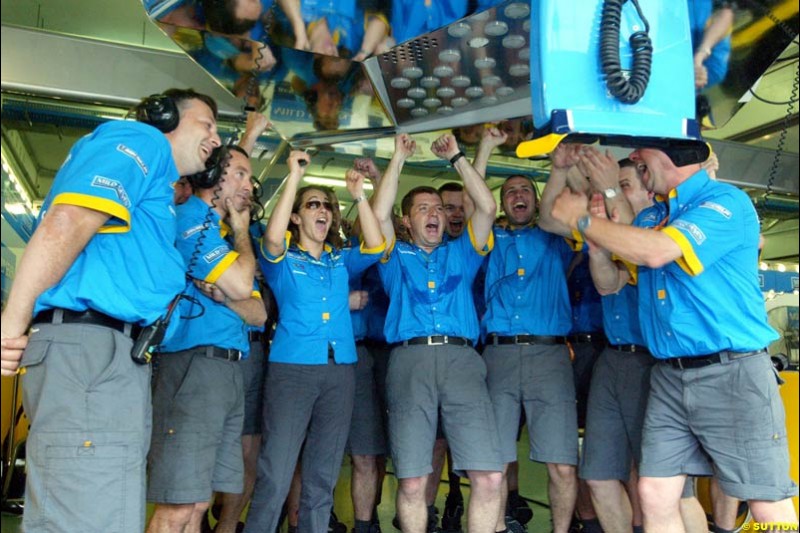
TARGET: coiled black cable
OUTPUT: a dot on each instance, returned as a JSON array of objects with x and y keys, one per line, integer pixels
[{"x": 628, "y": 89}]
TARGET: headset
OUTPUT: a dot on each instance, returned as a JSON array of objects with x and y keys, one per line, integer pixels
[
  {"x": 215, "y": 166},
  {"x": 160, "y": 111}
]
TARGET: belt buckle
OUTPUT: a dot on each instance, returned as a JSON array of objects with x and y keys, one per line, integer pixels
[
  {"x": 679, "y": 360},
  {"x": 431, "y": 342},
  {"x": 516, "y": 340}
]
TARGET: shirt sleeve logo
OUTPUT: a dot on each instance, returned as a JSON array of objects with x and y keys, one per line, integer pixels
[
  {"x": 716, "y": 207},
  {"x": 102, "y": 182},
  {"x": 215, "y": 254},
  {"x": 191, "y": 231},
  {"x": 693, "y": 230},
  {"x": 133, "y": 155}
]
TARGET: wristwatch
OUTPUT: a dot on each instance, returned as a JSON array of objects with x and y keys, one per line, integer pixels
[
  {"x": 583, "y": 223},
  {"x": 611, "y": 192}
]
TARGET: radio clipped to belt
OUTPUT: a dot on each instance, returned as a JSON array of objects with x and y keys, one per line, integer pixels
[{"x": 152, "y": 335}]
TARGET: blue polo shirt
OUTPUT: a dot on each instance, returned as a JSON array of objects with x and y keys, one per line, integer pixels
[
  {"x": 204, "y": 322},
  {"x": 526, "y": 284},
  {"x": 312, "y": 296},
  {"x": 621, "y": 310},
  {"x": 431, "y": 294},
  {"x": 130, "y": 269},
  {"x": 587, "y": 309},
  {"x": 709, "y": 299}
]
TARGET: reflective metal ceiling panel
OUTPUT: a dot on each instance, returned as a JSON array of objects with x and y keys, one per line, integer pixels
[{"x": 464, "y": 69}]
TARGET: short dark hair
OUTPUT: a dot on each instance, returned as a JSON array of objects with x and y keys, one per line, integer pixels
[
  {"x": 181, "y": 96},
  {"x": 523, "y": 176},
  {"x": 451, "y": 186},
  {"x": 221, "y": 19},
  {"x": 408, "y": 199},
  {"x": 626, "y": 162}
]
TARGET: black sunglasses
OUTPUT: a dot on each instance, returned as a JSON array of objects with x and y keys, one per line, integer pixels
[{"x": 316, "y": 204}]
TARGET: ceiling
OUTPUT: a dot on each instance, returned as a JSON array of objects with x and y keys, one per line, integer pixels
[{"x": 39, "y": 129}]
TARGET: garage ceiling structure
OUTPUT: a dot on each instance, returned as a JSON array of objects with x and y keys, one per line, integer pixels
[{"x": 69, "y": 65}]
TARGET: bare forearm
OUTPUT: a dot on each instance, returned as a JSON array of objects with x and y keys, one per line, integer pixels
[
  {"x": 291, "y": 8},
  {"x": 605, "y": 272},
  {"x": 636, "y": 245},
  {"x": 475, "y": 186},
  {"x": 555, "y": 184},
  {"x": 481, "y": 161},
  {"x": 370, "y": 227},
  {"x": 385, "y": 195},
  {"x": 720, "y": 26},
  {"x": 374, "y": 34},
  {"x": 246, "y": 259},
  {"x": 274, "y": 236},
  {"x": 250, "y": 310}
]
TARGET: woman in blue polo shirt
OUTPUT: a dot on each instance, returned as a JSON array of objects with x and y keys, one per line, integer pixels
[{"x": 311, "y": 375}]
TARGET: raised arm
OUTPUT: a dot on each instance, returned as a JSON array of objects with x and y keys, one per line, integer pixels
[
  {"x": 492, "y": 138},
  {"x": 370, "y": 228},
  {"x": 446, "y": 147},
  {"x": 563, "y": 158},
  {"x": 718, "y": 27},
  {"x": 386, "y": 193},
  {"x": 275, "y": 235},
  {"x": 375, "y": 31},
  {"x": 291, "y": 8},
  {"x": 608, "y": 275},
  {"x": 255, "y": 126}
]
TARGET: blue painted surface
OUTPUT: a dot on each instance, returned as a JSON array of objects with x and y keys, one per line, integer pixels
[{"x": 566, "y": 73}]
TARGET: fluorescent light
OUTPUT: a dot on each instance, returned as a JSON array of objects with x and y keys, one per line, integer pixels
[
  {"x": 16, "y": 208},
  {"x": 332, "y": 182}
]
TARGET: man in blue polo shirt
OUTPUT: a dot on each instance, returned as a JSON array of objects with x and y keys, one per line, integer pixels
[
  {"x": 100, "y": 265},
  {"x": 714, "y": 391},
  {"x": 198, "y": 396},
  {"x": 432, "y": 319},
  {"x": 526, "y": 322}
]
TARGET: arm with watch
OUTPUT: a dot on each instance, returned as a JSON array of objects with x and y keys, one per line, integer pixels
[
  {"x": 602, "y": 170},
  {"x": 482, "y": 220},
  {"x": 640, "y": 246}
]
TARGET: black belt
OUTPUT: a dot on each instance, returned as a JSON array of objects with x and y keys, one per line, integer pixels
[
  {"x": 633, "y": 348},
  {"x": 67, "y": 316},
  {"x": 586, "y": 338},
  {"x": 437, "y": 340},
  {"x": 684, "y": 363},
  {"x": 525, "y": 339},
  {"x": 227, "y": 354},
  {"x": 255, "y": 336}
]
